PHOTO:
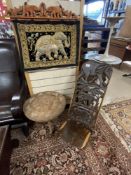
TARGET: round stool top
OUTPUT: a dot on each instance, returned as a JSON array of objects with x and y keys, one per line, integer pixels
[
  {"x": 113, "y": 60},
  {"x": 44, "y": 106},
  {"x": 109, "y": 59}
]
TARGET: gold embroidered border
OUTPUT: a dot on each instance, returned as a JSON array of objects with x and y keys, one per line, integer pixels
[{"x": 23, "y": 28}]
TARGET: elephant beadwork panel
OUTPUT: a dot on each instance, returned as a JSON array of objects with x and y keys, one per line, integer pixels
[{"x": 45, "y": 45}]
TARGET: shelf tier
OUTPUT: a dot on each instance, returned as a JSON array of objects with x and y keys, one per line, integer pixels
[
  {"x": 86, "y": 28},
  {"x": 95, "y": 40},
  {"x": 93, "y": 49},
  {"x": 117, "y": 11}
]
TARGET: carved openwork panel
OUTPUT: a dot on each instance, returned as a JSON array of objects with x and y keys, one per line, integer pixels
[{"x": 89, "y": 93}]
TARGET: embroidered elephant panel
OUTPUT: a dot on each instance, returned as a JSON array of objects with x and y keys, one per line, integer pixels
[{"x": 44, "y": 45}]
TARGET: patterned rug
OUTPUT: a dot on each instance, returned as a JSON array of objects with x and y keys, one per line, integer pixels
[
  {"x": 118, "y": 117},
  {"x": 43, "y": 154}
]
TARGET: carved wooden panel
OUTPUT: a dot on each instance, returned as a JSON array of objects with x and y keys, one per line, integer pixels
[{"x": 89, "y": 93}]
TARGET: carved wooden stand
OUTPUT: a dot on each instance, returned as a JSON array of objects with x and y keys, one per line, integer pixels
[{"x": 89, "y": 93}]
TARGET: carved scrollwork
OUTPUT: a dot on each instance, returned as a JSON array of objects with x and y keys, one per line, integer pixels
[
  {"x": 89, "y": 93},
  {"x": 41, "y": 11}
]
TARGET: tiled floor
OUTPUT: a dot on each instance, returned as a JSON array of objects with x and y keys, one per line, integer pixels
[{"x": 119, "y": 87}]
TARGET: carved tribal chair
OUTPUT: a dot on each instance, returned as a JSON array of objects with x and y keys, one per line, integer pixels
[{"x": 90, "y": 89}]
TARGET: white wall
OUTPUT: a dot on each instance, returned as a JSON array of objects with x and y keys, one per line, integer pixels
[{"x": 128, "y": 2}]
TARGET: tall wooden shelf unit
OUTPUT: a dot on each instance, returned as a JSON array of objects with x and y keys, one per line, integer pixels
[
  {"x": 97, "y": 44},
  {"x": 102, "y": 40}
]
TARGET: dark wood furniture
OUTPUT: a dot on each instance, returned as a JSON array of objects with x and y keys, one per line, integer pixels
[
  {"x": 118, "y": 48},
  {"x": 13, "y": 88},
  {"x": 5, "y": 150},
  {"x": 127, "y": 57}
]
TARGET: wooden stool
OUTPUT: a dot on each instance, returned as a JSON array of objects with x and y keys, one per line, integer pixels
[{"x": 44, "y": 107}]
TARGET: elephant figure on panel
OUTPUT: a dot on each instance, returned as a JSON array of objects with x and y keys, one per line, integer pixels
[{"x": 48, "y": 44}]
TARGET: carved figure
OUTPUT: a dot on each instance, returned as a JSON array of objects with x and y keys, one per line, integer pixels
[
  {"x": 45, "y": 44},
  {"x": 55, "y": 11},
  {"x": 68, "y": 13},
  {"x": 29, "y": 10},
  {"x": 15, "y": 11},
  {"x": 42, "y": 9}
]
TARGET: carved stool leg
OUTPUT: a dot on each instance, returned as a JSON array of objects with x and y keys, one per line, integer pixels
[
  {"x": 63, "y": 125},
  {"x": 51, "y": 127}
]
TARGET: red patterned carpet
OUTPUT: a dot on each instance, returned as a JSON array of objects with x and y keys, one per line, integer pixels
[
  {"x": 118, "y": 117},
  {"x": 42, "y": 154}
]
